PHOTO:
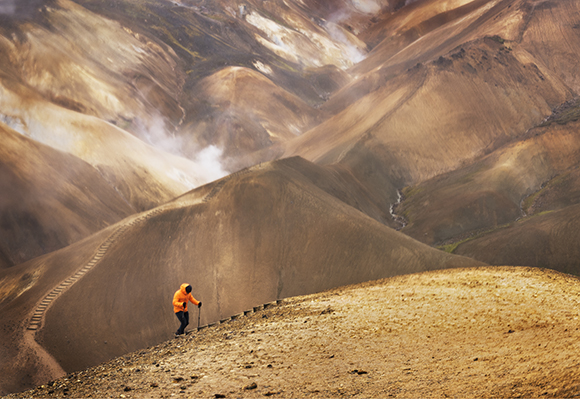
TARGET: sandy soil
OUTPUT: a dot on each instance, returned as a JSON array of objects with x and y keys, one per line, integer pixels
[{"x": 486, "y": 332}]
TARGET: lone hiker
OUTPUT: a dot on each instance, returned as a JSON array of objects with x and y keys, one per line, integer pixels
[{"x": 180, "y": 299}]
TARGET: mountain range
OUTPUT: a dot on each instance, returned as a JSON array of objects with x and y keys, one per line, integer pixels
[{"x": 261, "y": 150}]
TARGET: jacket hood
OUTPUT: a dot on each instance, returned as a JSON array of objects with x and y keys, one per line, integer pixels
[{"x": 182, "y": 289}]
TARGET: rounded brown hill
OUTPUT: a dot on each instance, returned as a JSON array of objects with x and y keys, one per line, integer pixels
[
  {"x": 263, "y": 234},
  {"x": 465, "y": 333},
  {"x": 273, "y": 231}
]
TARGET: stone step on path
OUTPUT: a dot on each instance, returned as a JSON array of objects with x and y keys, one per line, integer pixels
[
  {"x": 255, "y": 309},
  {"x": 38, "y": 314}
]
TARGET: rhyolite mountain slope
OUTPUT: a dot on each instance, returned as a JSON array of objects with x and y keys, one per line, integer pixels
[{"x": 455, "y": 121}]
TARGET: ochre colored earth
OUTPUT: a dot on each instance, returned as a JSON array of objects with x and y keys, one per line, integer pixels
[{"x": 463, "y": 333}]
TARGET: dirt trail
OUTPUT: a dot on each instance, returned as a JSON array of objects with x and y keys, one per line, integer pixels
[
  {"x": 46, "y": 364},
  {"x": 487, "y": 332}
]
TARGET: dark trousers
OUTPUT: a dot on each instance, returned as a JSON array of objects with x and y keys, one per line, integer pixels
[{"x": 184, "y": 319}]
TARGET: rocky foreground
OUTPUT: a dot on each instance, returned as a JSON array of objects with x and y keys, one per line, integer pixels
[{"x": 485, "y": 332}]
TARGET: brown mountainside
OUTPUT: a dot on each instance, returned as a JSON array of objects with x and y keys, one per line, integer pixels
[
  {"x": 262, "y": 234},
  {"x": 41, "y": 188},
  {"x": 328, "y": 124}
]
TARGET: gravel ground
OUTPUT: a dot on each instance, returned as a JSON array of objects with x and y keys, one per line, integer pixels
[{"x": 468, "y": 333}]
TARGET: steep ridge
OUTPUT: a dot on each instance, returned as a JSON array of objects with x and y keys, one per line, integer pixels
[
  {"x": 422, "y": 32},
  {"x": 471, "y": 101},
  {"x": 38, "y": 315},
  {"x": 233, "y": 255}
]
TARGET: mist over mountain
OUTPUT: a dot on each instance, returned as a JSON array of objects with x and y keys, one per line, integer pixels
[{"x": 265, "y": 149}]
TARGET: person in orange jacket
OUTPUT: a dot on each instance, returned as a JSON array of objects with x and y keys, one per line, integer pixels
[{"x": 180, "y": 299}]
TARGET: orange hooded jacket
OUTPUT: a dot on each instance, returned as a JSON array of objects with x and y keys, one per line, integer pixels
[{"x": 182, "y": 296}]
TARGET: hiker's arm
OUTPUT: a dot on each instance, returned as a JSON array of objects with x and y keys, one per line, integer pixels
[{"x": 193, "y": 300}]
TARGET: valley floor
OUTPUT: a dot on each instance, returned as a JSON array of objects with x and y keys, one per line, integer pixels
[{"x": 464, "y": 333}]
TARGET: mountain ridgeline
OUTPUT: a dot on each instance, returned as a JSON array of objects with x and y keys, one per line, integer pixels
[{"x": 266, "y": 149}]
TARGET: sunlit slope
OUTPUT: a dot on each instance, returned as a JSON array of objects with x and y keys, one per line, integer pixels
[
  {"x": 266, "y": 233},
  {"x": 49, "y": 199},
  {"x": 285, "y": 41},
  {"x": 439, "y": 116},
  {"x": 144, "y": 175},
  {"x": 93, "y": 65},
  {"x": 489, "y": 332}
]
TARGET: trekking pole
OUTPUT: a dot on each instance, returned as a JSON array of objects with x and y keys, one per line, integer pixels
[{"x": 198, "y": 316}]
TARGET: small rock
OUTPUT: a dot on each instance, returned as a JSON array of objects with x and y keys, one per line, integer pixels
[
  {"x": 328, "y": 310},
  {"x": 219, "y": 395},
  {"x": 154, "y": 385},
  {"x": 178, "y": 379},
  {"x": 253, "y": 385},
  {"x": 127, "y": 389}
]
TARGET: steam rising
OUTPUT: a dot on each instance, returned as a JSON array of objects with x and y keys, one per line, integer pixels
[
  {"x": 208, "y": 160},
  {"x": 352, "y": 52}
]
